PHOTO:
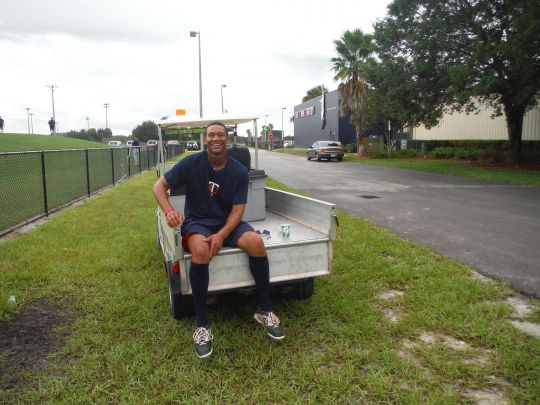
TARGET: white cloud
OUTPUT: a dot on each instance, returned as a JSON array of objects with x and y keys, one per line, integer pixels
[{"x": 138, "y": 56}]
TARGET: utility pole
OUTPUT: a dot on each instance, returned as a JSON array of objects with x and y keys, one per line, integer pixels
[
  {"x": 106, "y": 106},
  {"x": 282, "y": 130},
  {"x": 194, "y": 34},
  {"x": 264, "y": 127},
  {"x": 52, "y": 87},
  {"x": 222, "y": 109},
  {"x": 28, "y": 118},
  {"x": 31, "y": 122}
]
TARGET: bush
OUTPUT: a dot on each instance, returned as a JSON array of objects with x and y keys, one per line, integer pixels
[
  {"x": 405, "y": 153},
  {"x": 443, "y": 152},
  {"x": 491, "y": 156},
  {"x": 468, "y": 154},
  {"x": 378, "y": 154},
  {"x": 350, "y": 148}
]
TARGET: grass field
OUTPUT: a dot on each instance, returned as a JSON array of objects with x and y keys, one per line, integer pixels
[
  {"x": 21, "y": 181},
  {"x": 20, "y": 142},
  {"x": 394, "y": 323},
  {"x": 446, "y": 166}
]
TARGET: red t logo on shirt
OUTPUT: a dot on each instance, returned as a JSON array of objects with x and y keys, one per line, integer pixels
[{"x": 213, "y": 188}]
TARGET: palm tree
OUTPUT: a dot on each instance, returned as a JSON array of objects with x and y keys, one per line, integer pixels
[{"x": 354, "y": 50}]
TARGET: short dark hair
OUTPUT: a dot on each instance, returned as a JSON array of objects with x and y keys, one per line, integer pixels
[{"x": 221, "y": 124}]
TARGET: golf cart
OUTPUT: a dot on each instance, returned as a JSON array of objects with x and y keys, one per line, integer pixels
[{"x": 297, "y": 232}]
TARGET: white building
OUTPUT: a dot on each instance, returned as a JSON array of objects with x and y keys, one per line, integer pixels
[{"x": 462, "y": 126}]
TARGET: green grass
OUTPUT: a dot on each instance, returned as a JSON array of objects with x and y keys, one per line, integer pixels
[
  {"x": 21, "y": 142},
  {"x": 21, "y": 182},
  {"x": 446, "y": 166},
  {"x": 101, "y": 256}
]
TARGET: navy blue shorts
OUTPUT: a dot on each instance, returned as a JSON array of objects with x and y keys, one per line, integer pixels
[{"x": 208, "y": 230}]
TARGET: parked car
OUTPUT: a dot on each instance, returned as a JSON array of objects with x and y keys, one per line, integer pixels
[
  {"x": 115, "y": 143},
  {"x": 151, "y": 142},
  {"x": 172, "y": 142},
  {"x": 325, "y": 150},
  {"x": 192, "y": 145},
  {"x": 128, "y": 143}
]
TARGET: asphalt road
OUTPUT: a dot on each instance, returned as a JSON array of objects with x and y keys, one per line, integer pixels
[{"x": 492, "y": 227}]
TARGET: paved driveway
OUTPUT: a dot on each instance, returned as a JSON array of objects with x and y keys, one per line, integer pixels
[{"x": 493, "y": 227}]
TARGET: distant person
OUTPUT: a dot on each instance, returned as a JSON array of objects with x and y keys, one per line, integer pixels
[
  {"x": 52, "y": 126},
  {"x": 135, "y": 144},
  {"x": 1, "y": 125}
]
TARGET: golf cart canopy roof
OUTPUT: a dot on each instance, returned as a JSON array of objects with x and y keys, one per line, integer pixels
[{"x": 191, "y": 122}]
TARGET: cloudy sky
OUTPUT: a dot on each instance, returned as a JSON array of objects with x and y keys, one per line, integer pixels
[{"x": 138, "y": 56}]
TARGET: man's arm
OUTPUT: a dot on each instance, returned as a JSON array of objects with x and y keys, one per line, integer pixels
[
  {"x": 173, "y": 217},
  {"x": 234, "y": 218}
]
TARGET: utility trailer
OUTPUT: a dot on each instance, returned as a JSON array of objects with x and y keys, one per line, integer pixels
[{"x": 294, "y": 260}]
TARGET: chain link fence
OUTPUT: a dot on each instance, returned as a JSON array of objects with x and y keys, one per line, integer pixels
[{"x": 34, "y": 184}]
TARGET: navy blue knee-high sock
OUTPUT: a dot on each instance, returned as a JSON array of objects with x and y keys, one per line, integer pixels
[
  {"x": 198, "y": 277},
  {"x": 260, "y": 270}
]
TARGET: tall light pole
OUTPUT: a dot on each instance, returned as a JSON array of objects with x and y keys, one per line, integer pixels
[
  {"x": 198, "y": 34},
  {"x": 282, "y": 131},
  {"x": 31, "y": 122},
  {"x": 28, "y": 117},
  {"x": 52, "y": 87},
  {"x": 106, "y": 106},
  {"x": 194, "y": 34},
  {"x": 264, "y": 128},
  {"x": 222, "y": 109},
  {"x": 88, "y": 123}
]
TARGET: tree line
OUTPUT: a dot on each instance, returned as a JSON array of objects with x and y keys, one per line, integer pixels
[
  {"x": 92, "y": 134},
  {"x": 428, "y": 57}
]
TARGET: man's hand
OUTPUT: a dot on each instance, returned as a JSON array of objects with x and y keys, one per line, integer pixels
[
  {"x": 215, "y": 241},
  {"x": 174, "y": 218}
]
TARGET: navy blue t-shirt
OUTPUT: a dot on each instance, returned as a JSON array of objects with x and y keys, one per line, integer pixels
[{"x": 210, "y": 193}]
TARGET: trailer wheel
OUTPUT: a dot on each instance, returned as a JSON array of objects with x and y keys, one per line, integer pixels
[
  {"x": 301, "y": 290},
  {"x": 180, "y": 305},
  {"x": 340, "y": 158}
]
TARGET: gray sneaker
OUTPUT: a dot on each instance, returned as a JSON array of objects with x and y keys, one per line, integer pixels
[
  {"x": 271, "y": 324},
  {"x": 203, "y": 342}
]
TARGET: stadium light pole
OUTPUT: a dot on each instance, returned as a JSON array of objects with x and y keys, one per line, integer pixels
[
  {"x": 88, "y": 123},
  {"x": 106, "y": 106},
  {"x": 222, "y": 109},
  {"x": 31, "y": 122},
  {"x": 264, "y": 127},
  {"x": 194, "y": 34},
  {"x": 52, "y": 87},
  {"x": 282, "y": 130},
  {"x": 28, "y": 117}
]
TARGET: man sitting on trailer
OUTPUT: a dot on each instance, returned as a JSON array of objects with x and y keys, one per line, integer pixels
[{"x": 217, "y": 188}]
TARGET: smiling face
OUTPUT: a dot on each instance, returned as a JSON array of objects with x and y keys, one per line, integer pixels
[{"x": 216, "y": 139}]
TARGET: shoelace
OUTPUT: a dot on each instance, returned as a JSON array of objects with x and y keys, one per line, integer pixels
[
  {"x": 202, "y": 335},
  {"x": 270, "y": 319}
]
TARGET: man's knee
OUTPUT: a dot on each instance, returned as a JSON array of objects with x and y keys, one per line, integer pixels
[
  {"x": 252, "y": 243},
  {"x": 200, "y": 252}
]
